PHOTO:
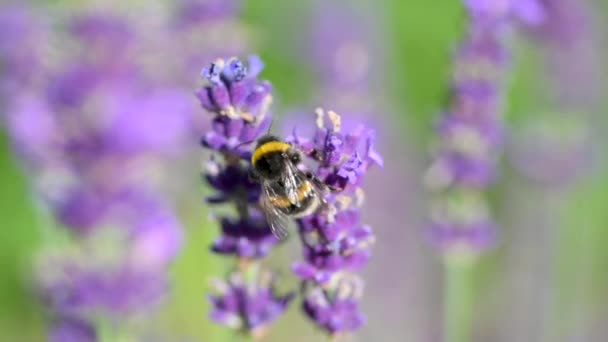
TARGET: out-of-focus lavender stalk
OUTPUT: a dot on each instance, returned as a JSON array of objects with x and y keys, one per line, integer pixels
[
  {"x": 554, "y": 149},
  {"x": 336, "y": 244},
  {"x": 88, "y": 133},
  {"x": 247, "y": 300},
  {"x": 466, "y": 158},
  {"x": 554, "y": 146}
]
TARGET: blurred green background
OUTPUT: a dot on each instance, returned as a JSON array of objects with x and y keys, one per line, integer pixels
[{"x": 551, "y": 265}]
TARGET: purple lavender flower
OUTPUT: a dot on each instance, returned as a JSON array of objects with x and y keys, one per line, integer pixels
[
  {"x": 239, "y": 102},
  {"x": 91, "y": 131},
  {"x": 463, "y": 237},
  {"x": 470, "y": 131},
  {"x": 337, "y": 311},
  {"x": 141, "y": 236},
  {"x": 233, "y": 90},
  {"x": 554, "y": 147},
  {"x": 87, "y": 291},
  {"x": 109, "y": 31},
  {"x": 200, "y": 12},
  {"x": 234, "y": 135},
  {"x": 20, "y": 64},
  {"x": 32, "y": 129},
  {"x": 335, "y": 242},
  {"x": 498, "y": 11},
  {"x": 82, "y": 209},
  {"x": 69, "y": 329},
  {"x": 342, "y": 158},
  {"x": 248, "y": 304},
  {"x": 245, "y": 238},
  {"x": 230, "y": 182},
  {"x": 566, "y": 23}
]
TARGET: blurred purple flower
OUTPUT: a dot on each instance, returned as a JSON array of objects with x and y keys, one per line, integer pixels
[
  {"x": 156, "y": 236},
  {"x": 555, "y": 147},
  {"x": 85, "y": 292},
  {"x": 248, "y": 304},
  {"x": 68, "y": 329},
  {"x": 470, "y": 236},
  {"x": 336, "y": 313},
  {"x": 566, "y": 21},
  {"x": 246, "y": 238},
  {"x": 143, "y": 242},
  {"x": 20, "y": 64},
  {"x": 197, "y": 12},
  {"x": 496, "y": 11},
  {"x": 471, "y": 131},
  {"x": 156, "y": 121},
  {"x": 552, "y": 149},
  {"x": 82, "y": 209},
  {"x": 104, "y": 39},
  {"x": 96, "y": 127},
  {"x": 32, "y": 128},
  {"x": 101, "y": 29}
]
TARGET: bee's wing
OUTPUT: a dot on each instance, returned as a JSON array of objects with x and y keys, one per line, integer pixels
[
  {"x": 276, "y": 219},
  {"x": 292, "y": 179}
]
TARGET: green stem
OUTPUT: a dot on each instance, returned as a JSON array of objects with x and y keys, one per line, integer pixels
[
  {"x": 108, "y": 331},
  {"x": 105, "y": 330},
  {"x": 244, "y": 338},
  {"x": 458, "y": 300}
]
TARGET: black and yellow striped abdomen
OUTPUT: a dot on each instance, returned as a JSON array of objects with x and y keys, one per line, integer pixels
[{"x": 307, "y": 201}]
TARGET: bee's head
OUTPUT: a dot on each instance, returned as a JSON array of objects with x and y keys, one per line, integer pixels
[
  {"x": 270, "y": 157},
  {"x": 266, "y": 139}
]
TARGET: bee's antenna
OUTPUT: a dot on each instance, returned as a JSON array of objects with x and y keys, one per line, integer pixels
[
  {"x": 270, "y": 126},
  {"x": 244, "y": 143}
]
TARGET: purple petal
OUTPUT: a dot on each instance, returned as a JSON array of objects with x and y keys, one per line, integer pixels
[
  {"x": 255, "y": 66},
  {"x": 304, "y": 270}
]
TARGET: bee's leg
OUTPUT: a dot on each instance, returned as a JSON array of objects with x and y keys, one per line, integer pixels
[
  {"x": 320, "y": 184},
  {"x": 311, "y": 177},
  {"x": 334, "y": 188}
]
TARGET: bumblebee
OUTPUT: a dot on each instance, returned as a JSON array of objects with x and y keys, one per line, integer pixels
[{"x": 287, "y": 191}]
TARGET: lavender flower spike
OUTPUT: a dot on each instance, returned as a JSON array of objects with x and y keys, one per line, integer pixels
[
  {"x": 336, "y": 244},
  {"x": 233, "y": 90},
  {"x": 240, "y": 103},
  {"x": 86, "y": 130},
  {"x": 248, "y": 305},
  {"x": 247, "y": 301},
  {"x": 471, "y": 131}
]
